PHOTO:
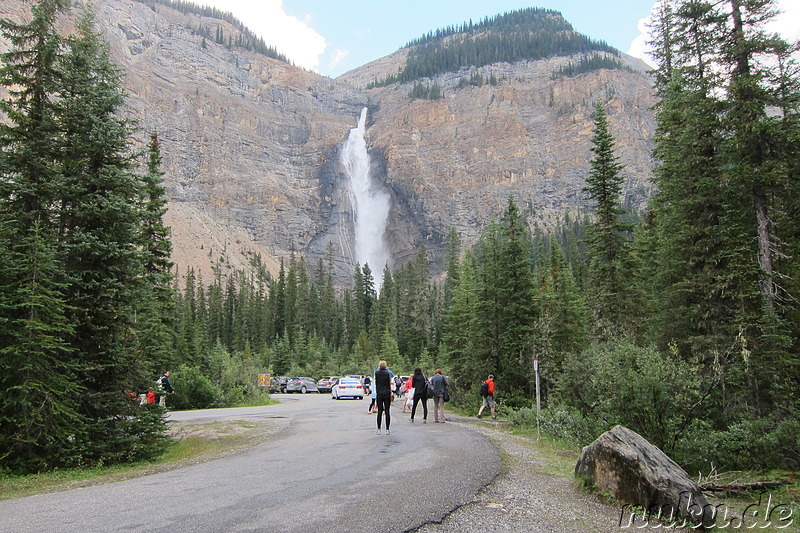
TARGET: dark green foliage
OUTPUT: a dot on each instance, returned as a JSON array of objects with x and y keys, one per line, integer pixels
[
  {"x": 98, "y": 238},
  {"x": 38, "y": 413},
  {"x": 71, "y": 215},
  {"x": 722, "y": 184},
  {"x": 757, "y": 443},
  {"x": 38, "y": 407},
  {"x": 526, "y": 34},
  {"x": 193, "y": 390},
  {"x": 652, "y": 393},
  {"x": 590, "y": 64},
  {"x": 611, "y": 297},
  {"x": 154, "y": 321},
  {"x": 426, "y": 92}
]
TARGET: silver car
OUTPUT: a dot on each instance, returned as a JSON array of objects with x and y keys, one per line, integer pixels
[{"x": 302, "y": 385}]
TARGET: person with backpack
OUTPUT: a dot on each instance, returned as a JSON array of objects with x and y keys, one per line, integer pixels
[
  {"x": 164, "y": 387},
  {"x": 487, "y": 391},
  {"x": 419, "y": 384}
]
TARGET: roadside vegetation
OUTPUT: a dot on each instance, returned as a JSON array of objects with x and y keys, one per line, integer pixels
[{"x": 192, "y": 443}]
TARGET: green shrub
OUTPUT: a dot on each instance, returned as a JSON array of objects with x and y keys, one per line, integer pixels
[
  {"x": 755, "y": 444},
  {"x": 193, "y": 390},
  {"x": 653, "y": 393},
  {"x": 560, "y": 422}
]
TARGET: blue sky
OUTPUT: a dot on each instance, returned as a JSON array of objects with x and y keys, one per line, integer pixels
[{"x": 334, "y": 36}]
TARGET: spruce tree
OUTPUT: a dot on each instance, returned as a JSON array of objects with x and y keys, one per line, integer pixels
[
  {"x": 155, "y": 324},
  {"x": 725, "y": 119},
  {"x": 38, "y": 411},
  {"x": 39, "y": 405},
  {"x": 462, "y": 328},
  {"x": 516, "y": 299},
  {"x": 99, "y": 242},
  {"x": 609, "y": 265}
]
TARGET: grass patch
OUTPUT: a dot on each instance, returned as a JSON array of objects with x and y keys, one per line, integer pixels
[
  {"x": 560, "y": 456},
  {"x": 192, "y": 443},
  {"x": 263, "y": 400}
]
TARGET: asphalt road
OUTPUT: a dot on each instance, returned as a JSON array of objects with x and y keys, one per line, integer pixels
[{"x": 326, "y": 471}]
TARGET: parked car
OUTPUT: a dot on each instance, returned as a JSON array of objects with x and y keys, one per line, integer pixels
[
  {"x": 302, "y": 385},
  {"x": 325, "y": 383},
  {"x": 348, "y": 388},
  {"x": 278, "y": 383}
]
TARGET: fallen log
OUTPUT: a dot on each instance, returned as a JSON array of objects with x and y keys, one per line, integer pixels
[{"x": 741, "y": 487}]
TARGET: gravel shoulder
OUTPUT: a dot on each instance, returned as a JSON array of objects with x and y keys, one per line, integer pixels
[{"x": 534, "y": 493}]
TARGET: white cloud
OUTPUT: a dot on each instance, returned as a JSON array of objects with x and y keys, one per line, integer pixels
[
  {"x": 338, "y": 57},
  {"x": 787, "y": 24},
  {"x": 290, "y": 36},
  {"x": 639, "y": 47}
]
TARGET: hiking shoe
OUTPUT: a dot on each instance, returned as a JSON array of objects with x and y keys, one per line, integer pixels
[
  {"x": 424, "y": 420},
  {"x": 388, "y": 432},
  {"x": 480, "y": 416},
  {"x": 412, "y": 420},
  {"x": 378, "y": 432}
]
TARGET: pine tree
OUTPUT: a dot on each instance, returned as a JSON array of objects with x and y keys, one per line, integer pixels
[
  {"x": 488, "y": 276},
  {"x": 516, "y": 298},
  {"x": 99, "y": 241},
  {"x": 38, "y": 408},
  {"x": 155, "y": 319},
  {"x": 722, "y": 182},
  {"x": 608, "y": 245},
  {"x": 462, "y": 327},
  {"x": 38, "y": 411},
  {"x": 452, "y": 258}
]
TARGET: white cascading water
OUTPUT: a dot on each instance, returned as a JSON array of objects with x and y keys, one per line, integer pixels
[{"x": 370, "y": 203}]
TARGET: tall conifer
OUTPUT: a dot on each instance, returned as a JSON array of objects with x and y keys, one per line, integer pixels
[{"x": 609, "y": 253}]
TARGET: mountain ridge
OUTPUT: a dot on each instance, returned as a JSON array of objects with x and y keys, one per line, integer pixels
[{"x": 250, "y": 144}]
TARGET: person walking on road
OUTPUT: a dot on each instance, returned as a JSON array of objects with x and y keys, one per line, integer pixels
[
  {"x": 383, "y": 382},
  {"x": 420, "y": 387},
  {"x": 487, "y": 391},
  {"x": 439, "y": 385}
]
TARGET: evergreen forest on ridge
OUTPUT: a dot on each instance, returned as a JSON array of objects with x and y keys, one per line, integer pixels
[{"x": 681, "y": 323}]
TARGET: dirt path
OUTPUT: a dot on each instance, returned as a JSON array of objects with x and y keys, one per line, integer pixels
[{"x": 535, "y": 493}]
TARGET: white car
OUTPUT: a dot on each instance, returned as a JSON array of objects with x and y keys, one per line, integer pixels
[{"x": 348, "y": 388}]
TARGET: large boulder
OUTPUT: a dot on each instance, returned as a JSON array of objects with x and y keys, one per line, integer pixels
[{"x": 622, "y": 463}]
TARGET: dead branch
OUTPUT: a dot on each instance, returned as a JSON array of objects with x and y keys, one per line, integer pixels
[{"x": 741, "y": 487}]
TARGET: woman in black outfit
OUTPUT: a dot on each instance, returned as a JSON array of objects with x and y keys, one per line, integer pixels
[
  {"x": 420, "y": 385},
  {"x": 383, "y": 393}
]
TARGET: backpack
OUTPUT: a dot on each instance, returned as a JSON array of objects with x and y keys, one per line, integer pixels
[
  {"x": 428, "y": 389},
  {"x": 160, "y": 384},
  {"x": 485, "y": 388}
]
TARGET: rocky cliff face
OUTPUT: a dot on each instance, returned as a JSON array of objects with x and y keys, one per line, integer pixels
[{"x": 251, "y": 145}]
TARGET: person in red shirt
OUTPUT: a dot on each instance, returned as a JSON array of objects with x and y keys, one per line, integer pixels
[{"x": 488, "y": 397}]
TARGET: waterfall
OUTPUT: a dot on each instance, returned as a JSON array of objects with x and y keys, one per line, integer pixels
[{"x": 370, "y": 204}]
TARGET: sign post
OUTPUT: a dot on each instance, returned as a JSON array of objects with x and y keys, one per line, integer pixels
[{"x": 538, "y": 395}]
